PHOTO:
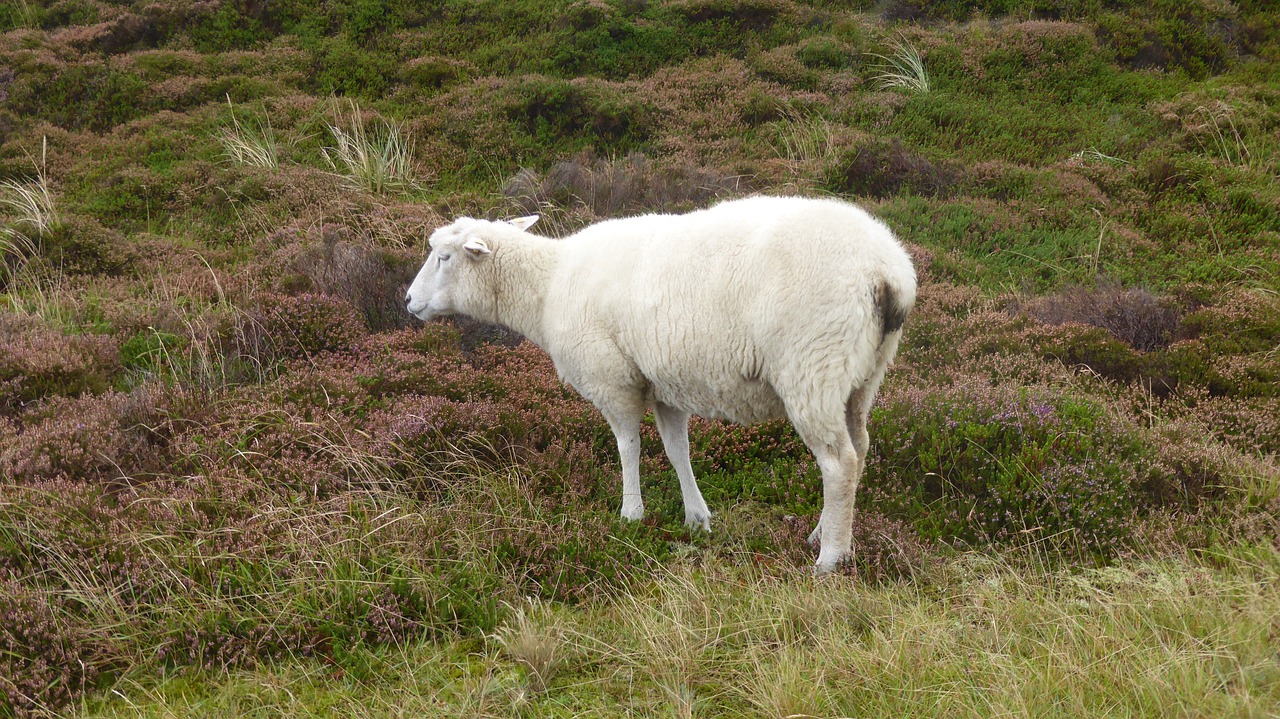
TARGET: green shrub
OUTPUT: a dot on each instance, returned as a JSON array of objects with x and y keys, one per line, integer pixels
[
  {"x": 92, "y": 97},
  {"x": 83, "y": 246},
  {"x": 551, "y": 111},
  {"x": 978, "y": 464},
  {"x": 1185, "y": 34}
]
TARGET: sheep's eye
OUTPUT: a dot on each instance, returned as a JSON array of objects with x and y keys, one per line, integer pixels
[{"x": 444, "y": 257}]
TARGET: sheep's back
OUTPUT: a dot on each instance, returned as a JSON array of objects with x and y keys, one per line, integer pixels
[{"x": 723, "y": 310}]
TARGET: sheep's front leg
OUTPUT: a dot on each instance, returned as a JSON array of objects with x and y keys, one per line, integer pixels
[
  {"x": 673, "y": 425},
  {"x": 626, "y": 430}
]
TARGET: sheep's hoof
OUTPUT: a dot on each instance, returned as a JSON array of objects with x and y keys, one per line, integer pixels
[
  {"x": 633, "y": 513},
  {"x": 827, "y": 563},
  {"x": 698, "y": 520}
]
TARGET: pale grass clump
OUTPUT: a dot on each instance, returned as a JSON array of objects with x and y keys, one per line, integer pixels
[
  {"x": 1217, "y": 134},
  {"x": 31, "y": 209},
  {"x": 987, "y": 636},
  {"x": 785, "y": 684},
  {"x": 903, "y": 68},
  {"x": 371, "y": 160},
  {"x": 251, "y": 146},
  {"x": 532, "y": 638},
  {"x": 808, "y": 145}
]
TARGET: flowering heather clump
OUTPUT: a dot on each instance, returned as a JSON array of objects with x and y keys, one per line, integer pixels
[
  {"x": 614, "y": 187},
  {"x": 108, "y": 437},
  {"x": 507, "y": 404},
  {"x": 37, "y": 361},
  {"x": 978, "y": 463},
  {"x": 1135, "y": 316},
  {"x": 370, "y": 279},
  {"x": 46, "y": 655},
  {"x": 308, "y": 324}
]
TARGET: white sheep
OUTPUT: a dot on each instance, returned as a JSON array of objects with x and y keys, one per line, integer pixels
[{"x": 753, "y": 309}]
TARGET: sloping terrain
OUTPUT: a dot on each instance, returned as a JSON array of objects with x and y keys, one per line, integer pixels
[{"x": 228, "y": 458}]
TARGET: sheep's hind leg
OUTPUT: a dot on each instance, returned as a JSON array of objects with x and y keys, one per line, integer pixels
[
  {"x": 626, "y": 430},
  {"x": 673, "y": 425},
  {"x": 856, "y": 411},
  {"x": 839, "y": 486}
]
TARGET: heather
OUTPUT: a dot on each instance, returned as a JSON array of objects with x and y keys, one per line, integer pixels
[{"x": 236, "y": 477}]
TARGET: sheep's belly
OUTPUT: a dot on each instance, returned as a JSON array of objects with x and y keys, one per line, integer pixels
[{"x": 745, "y": 402}]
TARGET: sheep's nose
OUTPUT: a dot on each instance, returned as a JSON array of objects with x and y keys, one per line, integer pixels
[{"x": 407, "y": 300}]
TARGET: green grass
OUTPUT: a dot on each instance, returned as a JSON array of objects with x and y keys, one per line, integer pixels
[
  {"x": 237, "y": 481},
  {"x": 987, "y": 636}
]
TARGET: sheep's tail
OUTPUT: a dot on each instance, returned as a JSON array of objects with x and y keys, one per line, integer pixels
[{"x": 894, "y": 301}]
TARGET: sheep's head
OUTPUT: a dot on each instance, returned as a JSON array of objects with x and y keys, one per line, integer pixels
[{"x": 453, "y": 279}]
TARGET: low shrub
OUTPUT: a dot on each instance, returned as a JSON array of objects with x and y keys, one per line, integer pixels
[
  {"x": 1134, "y": 316},
  {"x": 104, "y": 438},
  {"x": 609, "y": 188},
  {"x": 1193, "y": 36},
  {"x": 975, "y": 463},
  {"x": 37, "y": 361},
  {"x": 302, "y": 326},
  {"x": 93, "y": 97},
  {"x": 589, "y": 111},
  {"x": 880, "y": 169},
  {"x": 82, "y": 245},
  {"x": 372, "y": 280},
  {"x": 49, "y": 658}
]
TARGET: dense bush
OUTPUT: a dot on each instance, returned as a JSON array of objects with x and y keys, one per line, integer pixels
[
  {"x": 48, "y": 657},
  {"x": 884, "y": 168},
  {"x": 38, "y": 361},
  {"x": 609, "y": 188},
  {"x": 305, "y": 325},
  {"x": 976, "y": 464}
]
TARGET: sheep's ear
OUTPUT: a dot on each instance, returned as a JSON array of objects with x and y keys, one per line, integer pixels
[
  {"x": 476, "y": 247},
  {"x": 524, "y": 223}
]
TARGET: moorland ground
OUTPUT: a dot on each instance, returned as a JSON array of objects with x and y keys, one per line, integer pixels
[{"x": 236, "y": 478}]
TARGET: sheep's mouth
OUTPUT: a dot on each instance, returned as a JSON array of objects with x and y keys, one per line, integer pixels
[{"x": 422, "y": 312}]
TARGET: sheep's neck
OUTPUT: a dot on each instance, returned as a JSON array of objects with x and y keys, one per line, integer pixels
[{"x": 525, "y": 268}]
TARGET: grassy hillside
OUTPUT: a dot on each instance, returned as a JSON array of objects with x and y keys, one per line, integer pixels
[{"x": 236, "y": 477}]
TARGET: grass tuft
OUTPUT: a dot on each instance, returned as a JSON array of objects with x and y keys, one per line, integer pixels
[
  {"x": 534, "y": 642},
  {"x": 1218, "y": 135},
  {"x": 903, "y": 68},
  {"x": 255, "y": 147},
  {"x": 373, "y": 160},
  {"x": 31, "y": 205}
]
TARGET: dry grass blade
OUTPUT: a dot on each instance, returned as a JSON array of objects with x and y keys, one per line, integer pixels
[
  {"x": 534, "y": 643},
  {"x": 30, "y": 202},
  {"x": 256, "y": 147},
  {"x": 376, "y": 161},
  {"x": 1225, "y": 138},
  {"x": 904, "y": 68},
  {"x": 786, "y": 687}
]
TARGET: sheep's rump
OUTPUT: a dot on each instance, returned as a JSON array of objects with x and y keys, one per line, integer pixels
[{"x": 723, "y": 311}]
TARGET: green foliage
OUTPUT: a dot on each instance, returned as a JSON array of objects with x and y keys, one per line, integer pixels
[
  {"x": 993, "y": 465},
  {"x": 1171, "y": 33},
  {"x": 575, "y": 114},
  {"x": 232, "y": 27},
  {"x": 341, "y": 66},
  {"x": 92, "y": 97},
  {"x": 316, "y": 475},
  {"x": 81, "y": 245}
]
